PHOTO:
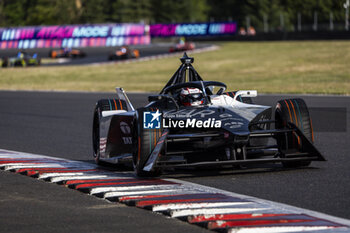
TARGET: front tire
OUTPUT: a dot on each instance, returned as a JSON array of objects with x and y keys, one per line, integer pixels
[
  {"x": 103, "y": 105},
  {"x": 144, "y": 141},
  {"x": 96, "y": 133},
  {"x": 294, "y": 111}
]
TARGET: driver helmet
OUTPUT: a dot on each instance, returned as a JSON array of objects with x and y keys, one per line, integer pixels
[
  {"x": 123, "y": 49},
  {"x": 191, "y": 97}
]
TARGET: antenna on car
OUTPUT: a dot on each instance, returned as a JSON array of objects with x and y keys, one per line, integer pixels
[
  {"x": 186, "y": 59},
  {"x": 180, "y": 75}
]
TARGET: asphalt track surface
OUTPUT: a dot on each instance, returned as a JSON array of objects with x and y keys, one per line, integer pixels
[
  {"x": 59, "y": 124},
  {"x": 95, "y": 54}
]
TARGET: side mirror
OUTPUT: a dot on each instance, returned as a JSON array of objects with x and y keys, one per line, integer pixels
[
  {"x": 220, "y": 91},
  {"x": 154, "y": 98},
  {"x": 248, "y": 93}
]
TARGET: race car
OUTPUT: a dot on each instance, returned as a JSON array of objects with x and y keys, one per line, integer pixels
[
  {"x": 180, "y": 47},
  {"x": 195, "y": 123},
  {"x": 124, "y": 52},
  {"x": 67, "y": 53},
  {"x": 22, "y": 59}
]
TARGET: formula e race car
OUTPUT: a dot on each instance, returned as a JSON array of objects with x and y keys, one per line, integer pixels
[
  {"x": 124, "y": 52},
  {"x": 22, "y": 59},
  {"x": 180, "y": 47},
  {"x": 195, "y": 123},
  {"x": 67, "y": 53}
]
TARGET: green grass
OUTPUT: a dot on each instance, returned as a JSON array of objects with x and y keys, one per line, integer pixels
[{"x": 269, "y": 67}]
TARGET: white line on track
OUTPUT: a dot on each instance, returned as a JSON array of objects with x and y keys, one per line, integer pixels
[
  {"x": 68, "y": 174},
  {"x": 28, "y": 165},
  {"x": 85, "y": 177},
  {"x": 129, "y": 188},
  {"x": 197, "y": 205},
  {"x": 280, "y": 229},
  {"x": 190, "y": 212},
  {"x": 141, "y": 192}
]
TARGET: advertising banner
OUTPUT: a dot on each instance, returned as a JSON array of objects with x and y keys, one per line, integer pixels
[{"x": 193, "y": 29}]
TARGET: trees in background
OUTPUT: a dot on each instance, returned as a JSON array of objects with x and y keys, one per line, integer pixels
[{"x": 277, "y": 14}]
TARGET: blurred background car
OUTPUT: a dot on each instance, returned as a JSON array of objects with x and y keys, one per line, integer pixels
[
  {"x": 124, "y": 52},
  {"x": 22, "y": 59},
  {"x": 182, "y": 46},
  {"x": 67, "y": 52}
]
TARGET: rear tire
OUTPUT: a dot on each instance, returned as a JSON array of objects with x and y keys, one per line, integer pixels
[
  {"x": 5, "y": 62},
  {"x": 53, "y": 54},
  {"x": 294, "y": 111},
  {"x": 103, "y": 105},
  {"x": 144, "y": 141}
]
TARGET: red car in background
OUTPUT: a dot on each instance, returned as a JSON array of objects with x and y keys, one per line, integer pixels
[{"x": 180, "y": 47}]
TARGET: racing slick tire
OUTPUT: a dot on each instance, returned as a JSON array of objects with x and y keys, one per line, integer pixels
[
  {"x": 103, "y": 105},
  {"x": 52, "y": 54},
  {"x": 19, "y": 63},
  {"x": 5, "y": 62},
  {"x": 144, "y": 141},
  {"x": 294, "y": 111},
  {"x": 82, "y": 54},
  {"x": 135, "y": 54},
  {"x": 112, "y": 57}
]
